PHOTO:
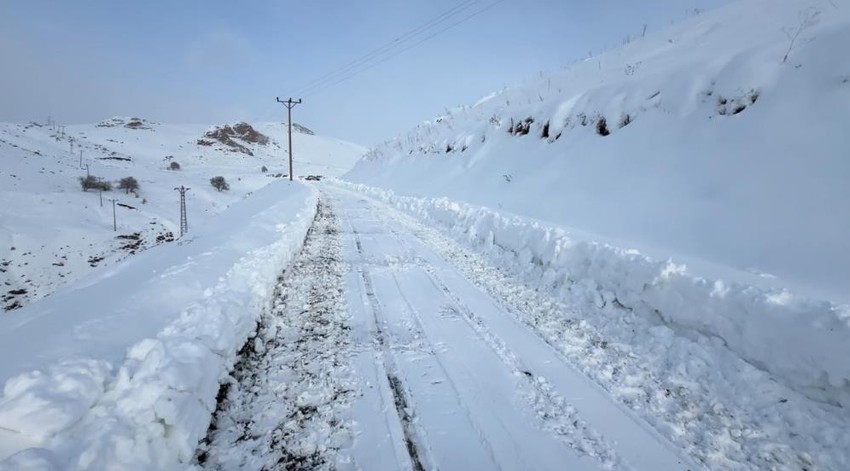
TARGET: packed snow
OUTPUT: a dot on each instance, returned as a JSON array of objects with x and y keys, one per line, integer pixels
[{"x": 281, "y": 405}]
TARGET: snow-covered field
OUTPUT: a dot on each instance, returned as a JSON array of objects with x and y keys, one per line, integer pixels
[{"x": 638, "y": 262}]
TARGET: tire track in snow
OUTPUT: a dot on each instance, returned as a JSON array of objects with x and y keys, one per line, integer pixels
[
  {"x": 556, "y": 415},
  {"x": 414, "y": 314},
  {"x": 281, "y": 406},
  {"x": 412, "y": 438}
]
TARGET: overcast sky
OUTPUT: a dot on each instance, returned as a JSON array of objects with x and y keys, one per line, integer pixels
[{"x": 215, "y": 61}]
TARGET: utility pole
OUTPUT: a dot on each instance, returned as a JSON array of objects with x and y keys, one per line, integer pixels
[
  {"x": 114, "y": 219},
  {"x": 289, "y": 104},
  {"x": 87, "y": 171},
  {"x": 184, "y": 222},
  {"x": 81, "y": 158}
]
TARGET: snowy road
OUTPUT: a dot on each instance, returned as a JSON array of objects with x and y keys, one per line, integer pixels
[
  {"x": 456, "y": 379},
  {"x": 380, "y": 354}
]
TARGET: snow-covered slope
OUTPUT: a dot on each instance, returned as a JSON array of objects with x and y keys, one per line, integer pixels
[
  {"x": 698, "y": 142},
  {"x": 51, "y": 232}
]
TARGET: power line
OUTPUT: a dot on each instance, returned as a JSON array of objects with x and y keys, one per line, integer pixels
[
  {"x": 394, "y": 44},
  {"x": 318, "y": 89},
  {"x": 389, "y": 46},
  {"x": 334, "y": 77},
  {"x": 351, "y": 70}
]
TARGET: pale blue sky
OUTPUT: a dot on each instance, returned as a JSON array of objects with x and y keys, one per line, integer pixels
[{"x": 216, "y": 61}]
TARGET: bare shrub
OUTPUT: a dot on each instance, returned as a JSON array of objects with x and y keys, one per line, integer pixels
[{"x": 219, "y": 183}]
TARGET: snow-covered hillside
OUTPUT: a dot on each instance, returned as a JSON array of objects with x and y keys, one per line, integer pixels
[
  {"x": 40, "y": 189},
  {"x": 699, "y": 142}
]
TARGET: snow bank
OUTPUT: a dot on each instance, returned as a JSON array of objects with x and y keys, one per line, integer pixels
[
  {"x": 121, "y": 370},
  {"x": 801, "y": 342}
]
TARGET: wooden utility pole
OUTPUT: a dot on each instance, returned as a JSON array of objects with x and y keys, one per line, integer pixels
[{"x": 289, "y": 104}]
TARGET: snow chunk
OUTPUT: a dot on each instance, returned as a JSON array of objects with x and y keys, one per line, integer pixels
[{"x": 40, "y": 404}]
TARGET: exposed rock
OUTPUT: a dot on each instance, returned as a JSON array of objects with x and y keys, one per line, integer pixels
[
  {"x": 299, "y": 128},
  {"x": 129, "y": 123},
  {"x": 230, "y": 135}
]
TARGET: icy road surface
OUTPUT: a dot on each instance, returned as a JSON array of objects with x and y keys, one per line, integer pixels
[{"x": 379, "y": 354}]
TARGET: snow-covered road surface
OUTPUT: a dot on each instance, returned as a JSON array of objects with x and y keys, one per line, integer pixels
[
  {"x": 400, "y": 362},
  {"x": 481, "y": 390},
  {"x": 279, "y": 409}
]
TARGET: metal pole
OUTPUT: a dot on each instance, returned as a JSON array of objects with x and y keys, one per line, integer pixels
[
  {"x": 114, "y": 219},
  {"x": 289, "y": 123},
  {"x": 184, "y": 221}
]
